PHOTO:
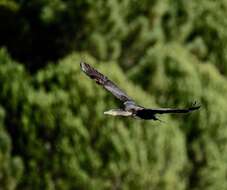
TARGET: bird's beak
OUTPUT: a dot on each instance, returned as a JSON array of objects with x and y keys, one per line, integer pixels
[{"x": 109, "y": 112}]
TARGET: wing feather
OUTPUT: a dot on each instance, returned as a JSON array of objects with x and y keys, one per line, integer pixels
[
  {"x": 105, "y": 82},
  {"x": 168, "y": 110}
]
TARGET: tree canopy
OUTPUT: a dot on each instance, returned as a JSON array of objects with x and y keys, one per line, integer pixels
[{"x": 53, "y": 134}]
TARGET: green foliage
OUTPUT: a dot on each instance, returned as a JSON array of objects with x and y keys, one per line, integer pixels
[
  {"x": 65, "y": 142},
  {"x": 53, "y": 134},
  {"x": 132, "y": 28},
  {"x": 11, "y": 167},
  {"x": 174, "y": 76}
]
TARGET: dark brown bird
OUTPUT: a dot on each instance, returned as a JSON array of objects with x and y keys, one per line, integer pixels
[{"x": 130, "y": 107}]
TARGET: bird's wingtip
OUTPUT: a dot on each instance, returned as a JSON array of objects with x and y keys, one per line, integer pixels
[
  {"x": 83, "y": 66},
  {"x": 195, "y": 106}
]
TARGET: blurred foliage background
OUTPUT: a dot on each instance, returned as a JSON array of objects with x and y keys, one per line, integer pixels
[{"x": 53, "y": 134}]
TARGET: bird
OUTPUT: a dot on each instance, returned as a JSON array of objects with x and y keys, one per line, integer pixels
[{"x": 130, "y": 107}]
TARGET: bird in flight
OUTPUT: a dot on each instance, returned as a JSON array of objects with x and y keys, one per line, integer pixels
[{"x": 131, "y": 108}]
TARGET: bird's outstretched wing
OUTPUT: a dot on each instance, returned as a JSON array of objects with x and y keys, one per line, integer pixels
[
  {"x": 168, "y": 110},
  {"x": 105, "y": 82}
]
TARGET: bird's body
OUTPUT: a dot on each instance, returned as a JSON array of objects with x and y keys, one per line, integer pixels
[{"x": 130, "y": 107}]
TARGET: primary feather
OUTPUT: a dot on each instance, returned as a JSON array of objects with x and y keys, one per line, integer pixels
[
  {"x": 105, "y": 82},
  {"x": 170, "y": 110}
]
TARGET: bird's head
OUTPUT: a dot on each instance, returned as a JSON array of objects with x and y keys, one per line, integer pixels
[{"x": 118, "y": 112}]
